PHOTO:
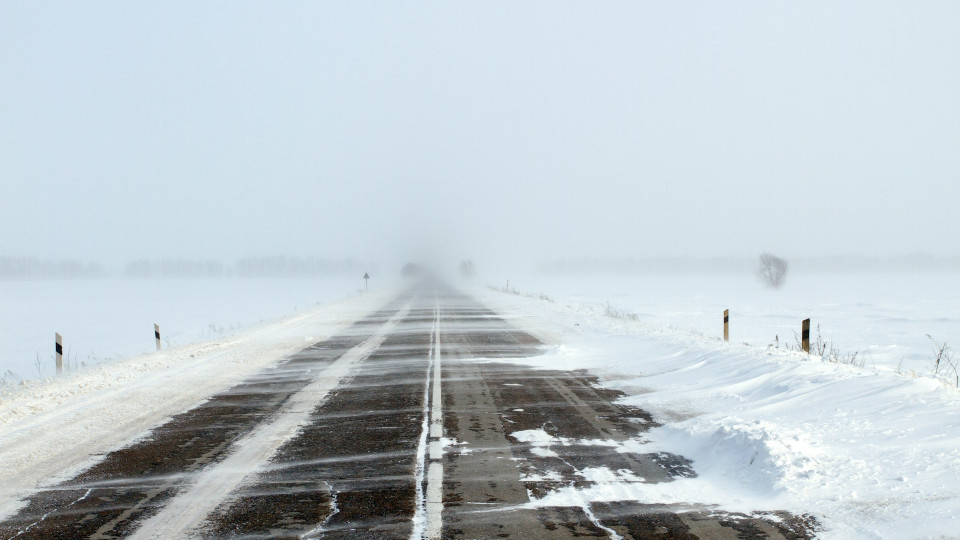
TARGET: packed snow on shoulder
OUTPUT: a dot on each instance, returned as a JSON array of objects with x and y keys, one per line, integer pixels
[
  {"x": 870, "y": 452},
  {"x": 50, "y": 430},
  {"x": 108, "y": 319}
]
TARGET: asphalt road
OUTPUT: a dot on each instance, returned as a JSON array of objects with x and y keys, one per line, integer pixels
[{"x": 403, "y": 426}]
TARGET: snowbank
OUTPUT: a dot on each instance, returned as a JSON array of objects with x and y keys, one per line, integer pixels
[
  {"x": 871, "y": 452},
  {"x": 51, "y": 430}
]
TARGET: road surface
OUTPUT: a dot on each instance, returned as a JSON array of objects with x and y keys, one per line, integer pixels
[{"x": 413, "y": 423}]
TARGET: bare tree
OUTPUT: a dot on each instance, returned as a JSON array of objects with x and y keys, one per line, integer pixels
[
  {"x": 772, "y": 270},
  {"x": 468, "y": 270}
]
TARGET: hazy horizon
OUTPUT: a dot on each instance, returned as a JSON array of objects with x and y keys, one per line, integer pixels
[
  {"x": 507, "y": 133},
  {"x": 28, "y": 268}
]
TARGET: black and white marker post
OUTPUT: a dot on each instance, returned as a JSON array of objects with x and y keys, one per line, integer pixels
[
  {"x": 156, "y": 334},
  {"x": 59, "y": 353},
  {"x": 726, "y": 325}
]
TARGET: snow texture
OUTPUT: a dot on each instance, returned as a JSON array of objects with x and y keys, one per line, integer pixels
[
  {"x": 51, "y": 430},
  {"x": 869, "y": 451},
  {"x": 872, "y": 453}
]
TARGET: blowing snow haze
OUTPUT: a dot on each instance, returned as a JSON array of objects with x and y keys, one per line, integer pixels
[{"x": 503, "y": 131}]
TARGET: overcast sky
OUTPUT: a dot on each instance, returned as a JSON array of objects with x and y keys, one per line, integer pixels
[{"x": 493, "y": 130}]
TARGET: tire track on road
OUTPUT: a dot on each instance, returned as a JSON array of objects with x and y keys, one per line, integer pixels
[
  {"x": 346, "y": 439},
  {"x": 129, "y": 484},
  {"x": 351, "y": 471},
  {"x": 249, "y": 453},
  {"x": 492, "y": 485}
]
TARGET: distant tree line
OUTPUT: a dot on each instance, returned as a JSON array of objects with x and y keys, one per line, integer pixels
[
  {"x": 743, "y": 265},
  {"x": 294, "y": 267},
  {"x": 27, "y": 268},
  {"x": 251, "y": 267},
  {"x": 30, "y": 268},
  {"x": 174, "y": 268},
  {"x": 645, "y": 266}
]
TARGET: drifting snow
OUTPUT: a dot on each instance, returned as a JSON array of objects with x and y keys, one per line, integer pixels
[
  {"x": 870, "y": 452},
  {"x": 109, "y": 319},
  {"x": 52, "y": 430},
  {"x": 250, "y": 453},
  {"x": 885, "y": 318}
]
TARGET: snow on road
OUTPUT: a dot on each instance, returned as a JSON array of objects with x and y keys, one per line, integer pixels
[
  {"x": 871, "y": 453},
  {"x": 429, "y": 472},
  {"x": 249, "y": 454},
  {"x": 50, "y": 431}
]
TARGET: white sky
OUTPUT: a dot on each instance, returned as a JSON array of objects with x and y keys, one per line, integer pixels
[{"x": 508, "y": 130}]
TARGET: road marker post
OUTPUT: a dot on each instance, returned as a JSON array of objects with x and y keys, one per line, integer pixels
[
  {"x": 156, "y": 334},
  {"x": 366, "y": 281},
  {"x": 805, "y": 336},
  {"x": 726, "y": 325},
  {"x": 59, "y": 349}
]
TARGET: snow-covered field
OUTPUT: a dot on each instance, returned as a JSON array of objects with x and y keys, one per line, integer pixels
[
  {"x": 871, "y": 452},
  {"x": 52, "y": 429},
  {"x": 113, "y": 318},
  {"x": 883, "y": 317}
]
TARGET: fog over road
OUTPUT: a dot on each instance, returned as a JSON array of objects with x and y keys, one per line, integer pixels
[{"x": 413, "y": 423}]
